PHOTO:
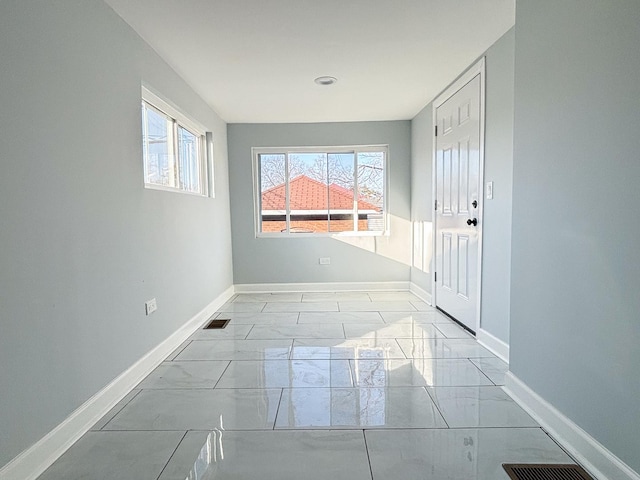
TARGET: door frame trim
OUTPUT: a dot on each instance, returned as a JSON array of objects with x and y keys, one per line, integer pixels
[{"x": 476, "y": 69}]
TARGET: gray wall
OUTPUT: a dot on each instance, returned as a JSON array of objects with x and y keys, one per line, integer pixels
[
  {"x": 498, "y": 168},
  {"x": 575, "y": 324},
  {"x": 421, "y": 192},
  {"x": 353, "y": 259},
  {"x": 82, "y": 243}
]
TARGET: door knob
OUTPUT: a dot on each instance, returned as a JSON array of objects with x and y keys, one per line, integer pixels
[{"x": 473, "y": 222}]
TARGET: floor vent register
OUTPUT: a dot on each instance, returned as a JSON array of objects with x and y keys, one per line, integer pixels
[
  {"x": 540, "y": 471},
  {"x": 218, "y": 323}
]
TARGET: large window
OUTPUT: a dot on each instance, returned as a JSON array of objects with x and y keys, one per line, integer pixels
[
  {"x": 173, "y": 149},
  {"x": 320, "y": 190}
]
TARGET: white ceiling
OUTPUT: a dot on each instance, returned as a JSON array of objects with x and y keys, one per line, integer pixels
[{"x": 255, "y": 60}]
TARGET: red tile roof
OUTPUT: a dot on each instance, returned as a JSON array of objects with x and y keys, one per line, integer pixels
[{"x": 308, "y": 194}]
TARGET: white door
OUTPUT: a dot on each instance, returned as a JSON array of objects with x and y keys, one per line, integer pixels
[{"x": 457, "y": 170}]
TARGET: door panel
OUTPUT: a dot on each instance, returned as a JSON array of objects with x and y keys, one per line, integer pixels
[{"x": 457, "y": 187}]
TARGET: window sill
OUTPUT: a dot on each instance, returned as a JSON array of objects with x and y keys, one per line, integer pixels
[
  {"x": 323, "y": 235},
  {"x": 152, "y": 186}
]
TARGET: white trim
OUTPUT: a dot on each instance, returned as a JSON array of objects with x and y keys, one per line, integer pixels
[
  {"x": 279, "y": 213},
  {"x": 170, "y": 109},
  {"x": 322, "y": 287},
  {"x": 586, "y": 450},
  {"x": 476, "y": 69},
  {"x": 493, "y": 343},
  {"x": 164, "y": 188},
  {"x": 360, "y": 233},
  {"x": 369, "y": 147},
  {"x": 421, "y": 293},
  {"x": 286, "y": 152},
  {"x": 36, "y": 459}
]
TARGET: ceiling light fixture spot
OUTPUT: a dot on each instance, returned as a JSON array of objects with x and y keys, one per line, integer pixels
[{"x": 326, "y": 80}]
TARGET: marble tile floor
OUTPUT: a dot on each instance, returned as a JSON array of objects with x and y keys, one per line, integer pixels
[{"x": 344, "y": 385}]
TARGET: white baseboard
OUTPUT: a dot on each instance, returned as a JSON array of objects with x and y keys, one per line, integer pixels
[
  {"x": 420, "y": 292},
  {"x": 593, "y": 456},
  {"x": 36, "y": 459},
  {"x": 321, "y": 287},
  {"x": 493, "y": 343}
]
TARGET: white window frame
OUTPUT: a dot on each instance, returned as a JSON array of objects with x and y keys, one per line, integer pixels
[
  {"x": 205, "y": 146},
  {"x": 257, "y": 197}
]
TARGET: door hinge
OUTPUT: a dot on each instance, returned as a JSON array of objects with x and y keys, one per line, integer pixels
[
  {"x": 435, "y": 205},
  {"x": 435, "y": 276},
  {"x": 436, "y": 130}
]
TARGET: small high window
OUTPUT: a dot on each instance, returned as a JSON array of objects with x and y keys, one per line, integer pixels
[
  {"x": 174, "y": 149},
  {"x": 337, "y": 190}
]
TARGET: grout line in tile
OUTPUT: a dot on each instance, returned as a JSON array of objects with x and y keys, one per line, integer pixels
[
  {"x": 223, "y": 372},
  {"x": 249, "y": 332},
  {"x": 188, "y": 342},
  {"x": 119, "y": 410},
  {"x": 436, "y": 326},
  {"x": 275, "y": 419},
  {"x": 366, "y": 449},
  {"x": 486, "y": 376},
  {"x": 298, "y": 319},
  {"x": 172, "y": 454},
  {"x": 344, "y": 331},
  {"x": 435, "y": 404},
  {"x": 561, "y": 446},
  {"x": 400, "y": 348}
]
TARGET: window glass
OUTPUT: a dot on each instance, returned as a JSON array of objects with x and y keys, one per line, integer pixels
[
  {"x": 303, "y": 191},
  {"x": 341, "y": 191},
  {"x": 158, "y": 148},
  {"x": 189, "y": 168},
  {"x": 370, "y": 191},
  {"x": 273, "y": 187},
  {"x": 173, "y": 149}
]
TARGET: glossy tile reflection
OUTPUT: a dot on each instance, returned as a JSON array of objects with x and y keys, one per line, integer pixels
[
  {"x": 325, "y": 348},
  {"x": 242, "y": 409},
  {"x": 236, "y": 350},
  {"x": 262, "y": 332},
  {"x": 479, "y": 407},
  {"x": 115, "y": 455},
  {"x": 442, "y": 348},
  {"x": 185, "y": 375},
  {"x": 397, "y": 330},
  {"x": 273, "y": 455},
  {"x": 402, "y": 407},
  {"x": 457, "y": 454},
  {"x": 318, "y": 385},
  {"x": 418, "y": 372},
  {"x": 287, "y": 374}
]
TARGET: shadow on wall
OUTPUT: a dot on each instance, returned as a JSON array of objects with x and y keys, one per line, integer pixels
[
  {"x": 422, "y": 245},
  {"x": 409, "y": 243}
]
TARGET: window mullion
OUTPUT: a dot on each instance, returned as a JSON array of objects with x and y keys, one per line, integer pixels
[
  {"x": 355, "y": 191},
  {"x": 328, "y": 196},
  {"x": 287, "y": 192},
  {"x": 176, "y": 155}
]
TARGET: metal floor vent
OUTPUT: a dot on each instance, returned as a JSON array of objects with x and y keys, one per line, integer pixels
[
  {"x": 542, "y": 471},
  {"x": 217, "y": 323}
]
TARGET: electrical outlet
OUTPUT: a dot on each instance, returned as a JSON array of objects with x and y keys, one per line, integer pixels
[
  {"x": 150, "y": 306},
  {"x": 325, "y": 260}
]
